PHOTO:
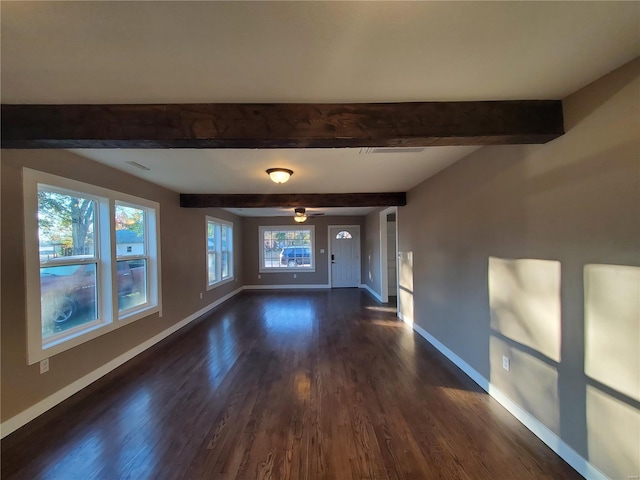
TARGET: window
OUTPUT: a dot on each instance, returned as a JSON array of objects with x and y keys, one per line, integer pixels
[
  {"x": 219, "y": 252},
  {"x": 287, "y": 248},
  {"x": 343, "y": 235},
  {"x": 78, "y": 287}
]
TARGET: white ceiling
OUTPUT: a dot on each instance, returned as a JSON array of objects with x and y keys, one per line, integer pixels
[
  {"x": 328, "y": 170},
  {"x": 343, "y": 170},
  {"x": 183, "y": 52}
]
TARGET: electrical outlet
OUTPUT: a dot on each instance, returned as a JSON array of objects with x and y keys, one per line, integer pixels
[
  {"x": 44, "y": 366},
  {"x": 295, "y": 276},
  {"x": 322, "y": 250},
  {"x": 259, "y": 277},
  {"x": 506, "y": 363},
  {"x": 200, "y": 295}
]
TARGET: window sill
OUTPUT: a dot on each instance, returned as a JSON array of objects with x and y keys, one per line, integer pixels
[
  {"x": 91, "y": 332},
  {"x": 65, "y": 343},
  {"x": 138, "y": 314},
  {"x": 288, "y": 270},
  {"x": 220, "y": 283}
]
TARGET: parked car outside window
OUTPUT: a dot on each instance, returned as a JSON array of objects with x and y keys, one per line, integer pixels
[
  {"x": 295, "y": 256},
  {"x": 68, "y": 289}
]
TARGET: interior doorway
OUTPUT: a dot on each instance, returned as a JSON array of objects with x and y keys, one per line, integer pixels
[
  {"x": 344, "y": 256},
  {"x": 389, "y": 255}
]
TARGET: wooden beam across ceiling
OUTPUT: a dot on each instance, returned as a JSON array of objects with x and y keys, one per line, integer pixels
[
  {"x": 308, "y": 200},
  {"x": 281, "y": 125}
]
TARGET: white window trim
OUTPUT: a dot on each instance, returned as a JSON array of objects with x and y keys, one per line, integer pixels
[
  {"x": 261, "y": 230},
  {"x": 218, "y": 251},
  {"x": 107, "y": 307}
]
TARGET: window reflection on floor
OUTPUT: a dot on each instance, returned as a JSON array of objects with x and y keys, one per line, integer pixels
[
  {"x": 223, "y": 351},
  {"x": 290, "y": 317}
]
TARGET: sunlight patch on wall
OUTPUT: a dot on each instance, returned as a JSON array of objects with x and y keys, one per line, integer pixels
[
  {"x": 524, "y": 297},
  {"x": 612, "y": 326},
  {"x": 614, "y": 435},
  {"x": 405, "y": 290},
  {"x": 531, "y": 382}
]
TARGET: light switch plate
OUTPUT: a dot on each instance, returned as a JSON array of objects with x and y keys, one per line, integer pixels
[{"x": 506, "y": 363}]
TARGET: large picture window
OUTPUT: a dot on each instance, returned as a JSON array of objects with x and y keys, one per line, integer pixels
[
  {"x": 78, "y": 286},
  {"x": 287, "y": 248},
  {"x": 219, "y": 252}
]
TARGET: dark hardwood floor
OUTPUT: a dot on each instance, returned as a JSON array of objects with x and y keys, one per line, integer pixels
[{"x": 310, "y": 385}]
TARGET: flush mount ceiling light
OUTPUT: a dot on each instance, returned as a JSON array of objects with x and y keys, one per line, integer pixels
[{"x": 279, "y": 175}]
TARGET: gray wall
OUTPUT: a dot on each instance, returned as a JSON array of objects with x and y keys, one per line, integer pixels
[
  {"x": 251, "y": 245},
  {"x": 533, "y": 252},
  {"x": 183, "y": 266}
]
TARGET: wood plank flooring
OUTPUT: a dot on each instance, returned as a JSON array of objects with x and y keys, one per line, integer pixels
[{"x": 283, "y": 385}]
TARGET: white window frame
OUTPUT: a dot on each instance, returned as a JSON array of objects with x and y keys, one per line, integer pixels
[
  {"x": 263, "y": 228},
  {"x": 217, "y": 249},
  {"x": 109, "y": 318}
]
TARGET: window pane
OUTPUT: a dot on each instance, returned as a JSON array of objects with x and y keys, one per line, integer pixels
[
  {"x": 287, "y": 248},
  {"x": 65, "y": 225},
  {"x": 132, "y": 283},
  {"x": 225, "y": 264},
  {"x": 211, "y": 267},
  {"x": 271, "y": 249},
  {"x": 224, "y": 237},
  {"x": 211, "y": 236},
  {"x": 67, "y": 297},
  {"x": 343, "y": 235},
  {"x": 130, "y": 228}
]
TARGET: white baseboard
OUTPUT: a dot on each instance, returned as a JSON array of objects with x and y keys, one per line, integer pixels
[
  {"x": 372, "y": 292},
  {"x": 24, "y": 417},
  {"x": 286, "y": 287},
  {"x": 568, "y": 454}
]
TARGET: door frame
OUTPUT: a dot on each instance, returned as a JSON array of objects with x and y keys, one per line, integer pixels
[
  {"x": 329, "y": 245},
  {"x": 384, "y": 264}
]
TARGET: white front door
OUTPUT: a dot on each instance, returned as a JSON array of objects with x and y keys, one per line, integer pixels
[{"x": 344, "y": 255}]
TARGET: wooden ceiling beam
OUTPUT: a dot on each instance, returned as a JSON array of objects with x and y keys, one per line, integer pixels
[
  {"x": 308, "y": 200},
  {"x": 281, "y": 125}
]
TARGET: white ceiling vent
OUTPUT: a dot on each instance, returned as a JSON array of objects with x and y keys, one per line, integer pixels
[
  {"x": 137, "y": 165},
  {"x": 369, "y": 150}
]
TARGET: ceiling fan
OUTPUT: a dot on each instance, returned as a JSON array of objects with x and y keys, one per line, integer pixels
[{"x": 301, "y": 214}]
